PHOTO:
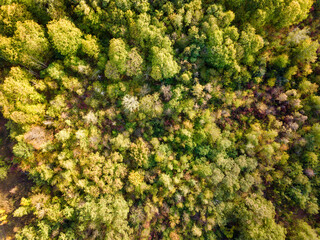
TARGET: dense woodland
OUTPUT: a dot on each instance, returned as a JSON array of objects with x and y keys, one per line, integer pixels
[{"x": 154, "y": 119}]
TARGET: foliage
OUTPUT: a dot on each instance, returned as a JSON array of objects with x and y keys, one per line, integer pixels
[
  {"x": 163, "y": 119},
  {"x": 28, "y": 46},
  {"x": 65, "y": 36}
]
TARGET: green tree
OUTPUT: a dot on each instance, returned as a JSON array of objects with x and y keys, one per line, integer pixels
[
  {"x": 268, "y": 12},
  {"x": 90, "y": 46},
  {"x": 118, "y": 54},
  {"x": 20, "y": 101},
  {"x": 11, "y": 14},
  {"x": 28, "y": 46},
  {"x": 65, "y": 36},
  {"x": 303, "y": 230},
  {"x": 163, "y": 64},
  {"x": 134, "y": 63},
  {"x": 109, "y": 212},
  {"x": 257, "y": 220}
]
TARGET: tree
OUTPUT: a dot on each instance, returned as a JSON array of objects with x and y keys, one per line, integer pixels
[
  {"x": 140, "y": 153},
  {"x": 221, "y": 50},
  {"x": 150, "y": 106},
  {"x": 163, "y": 64},
  {"x": 268, "y": 12},
  {"x": 291, "y": 12},
  {"x": 110, "y": 212},
  {"x": 134, "y": 63},
  {"x": 28, "y": 46},
  {"x": 118, "y": 54},
  {"x": 313, "y": 137},
  {"x": 90, "y": 46},
  {"x": 251, "y": 44},
  {"x": 10, "y": 14},
  {"x": 130, "y": 103},
  {"x": 306, "y": 51},
  {"x": 256, "y": 216},
  {"x": 303, "y": 230},
  {"x": 19, "y": 100},
  {"x": 122, "y": 61},
  {"x": 65, "y": 36}
]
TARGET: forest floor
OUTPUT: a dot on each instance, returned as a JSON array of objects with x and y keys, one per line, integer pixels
[{"x": 12, "y": 189}]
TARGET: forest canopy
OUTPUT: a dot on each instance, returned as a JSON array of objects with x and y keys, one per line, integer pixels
[{"x": 183, "y": 119}]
